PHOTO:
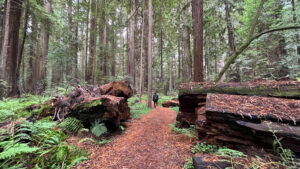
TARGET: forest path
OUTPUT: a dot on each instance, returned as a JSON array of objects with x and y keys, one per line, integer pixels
[{"x": 148, "y": 143}]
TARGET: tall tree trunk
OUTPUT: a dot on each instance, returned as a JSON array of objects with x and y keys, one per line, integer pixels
[
  {"x": 93, "y": 41},
  {"x": 294, "y": 11},
  {"x": 149, "y": 98},
  {"x": 21, "y": 48},
  {"x": 197, "y": 10},
  {"x": 70, "y": 42},
  {"x": 87, "y": 77},
  {"x": 113, "y": 58},
  {"x": 142, "y": 51},
  {"x": 131, "y": 58},
  {"x": 104, "y": 44},
  {"x": 179, "y": 59},
  {"x": 9, "y": 52},
  {"x": 231, "y": 37},
  {"x": 161, "y": 56},
  {"x": 76, "y": 43}
]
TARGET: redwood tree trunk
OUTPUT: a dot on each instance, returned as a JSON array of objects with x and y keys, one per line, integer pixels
[
  {"x": 9, "y": 52},
  {"x": 149, "y": 99},
  {"x": 141, "y": 54},
  {"x": 197, "y": 10},
  {"x": 131, "y": 58}
]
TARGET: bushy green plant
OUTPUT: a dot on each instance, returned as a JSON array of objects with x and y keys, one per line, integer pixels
[
  {"x": 138, "y": 109},
  {"x": 101, "y": 142},
  {"x": 176, "y": 109},
  {"x": 205, "y": 148},
  {"x": 44, "y": 147},
  {"x": 98, "y": 128},
  {"x": 189, "y": 164},
  {"x": 190, "y": 132},
  {"x": 71, "y": 125}
]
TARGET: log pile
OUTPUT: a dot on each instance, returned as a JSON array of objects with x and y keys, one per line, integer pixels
[
  {"x": 107, "y": 103},
  {"x": 244, "y": 113},
  {"x": 171, "y": 103}
]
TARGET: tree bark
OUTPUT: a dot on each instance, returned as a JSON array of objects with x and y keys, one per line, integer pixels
[
  {"x": 21, "y": 49},
  {"x": 9, "y": 52},
  {"x": 197, "y": 9},
  {"x": 161, "y": 56},
  {"x": 104, "y": 44},
  {"x": 131, "y": 59},
  {"x": 179, "y": 60},
  {"x": 141, "y": 53},
  {"x": 70, "y": 42},
  {"x": 149, "y": 98},
  {"x": 294, "y": 13},
  {"x": 86, "y": 42}
]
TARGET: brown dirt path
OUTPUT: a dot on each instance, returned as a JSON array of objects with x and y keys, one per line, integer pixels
[{"x": 148, "y": 143}]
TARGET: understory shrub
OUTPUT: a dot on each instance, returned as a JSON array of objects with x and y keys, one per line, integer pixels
[
  {"x": 38, "y": 145},
  {"x": 190, "y": 132}
]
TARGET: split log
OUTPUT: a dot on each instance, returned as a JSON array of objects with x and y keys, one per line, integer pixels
[
  {"x": 171, "y": 103},
  {"x": 284, "y": 88},
  {"x": 253, "y": 120},
  {"x": 192, "y": 96}
]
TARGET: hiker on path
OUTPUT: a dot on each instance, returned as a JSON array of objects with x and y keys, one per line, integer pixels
[{"x": 155, "y": 99}]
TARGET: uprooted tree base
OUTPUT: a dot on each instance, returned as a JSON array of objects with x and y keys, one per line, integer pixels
[{"x": 106, "y": 103}]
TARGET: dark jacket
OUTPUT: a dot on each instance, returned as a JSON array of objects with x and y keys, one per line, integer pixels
[{"x": 155, "y": 97}]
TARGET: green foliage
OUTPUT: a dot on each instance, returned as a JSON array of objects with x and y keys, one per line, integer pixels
[
  {"x": 176, "y": 109},
  {"x": 163, "y": 98},
  {"x": 137, "y": 109},
  {"x": 189, "y": 164},
  {"x": 71, "y": 125},
  {"x": 205, "y": 148},
  {"x": 15, "y": 108},
  {"x": 101, "y": 142},
  {"x": 98, "y": 128},
  {"x": 45, "y": 148},
  {"x": 190, "y": 132}
]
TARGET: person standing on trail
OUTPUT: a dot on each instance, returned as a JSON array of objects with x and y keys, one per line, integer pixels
[{"x": 155, "y": 99}]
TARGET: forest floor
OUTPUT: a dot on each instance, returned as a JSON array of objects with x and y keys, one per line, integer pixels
[{"x": 146, "y": 143}]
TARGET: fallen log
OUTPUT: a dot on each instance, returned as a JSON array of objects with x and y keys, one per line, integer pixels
[
  {"x": 285, "y": 88},
  {"x": 90, "y": 103},
  {"x": 253, "y": 120},
  {"x": 171, "y": 103},
  {"x": 192, "y": 96}
]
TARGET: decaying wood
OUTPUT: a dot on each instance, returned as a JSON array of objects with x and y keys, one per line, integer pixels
[
  {"x": 171, "y": 103},
  {"x": 117, "y": 88},
  {"x": 252, "y": 120},
  {"x": 107, "y": 103},
  {"x": 285, "y": 89}
]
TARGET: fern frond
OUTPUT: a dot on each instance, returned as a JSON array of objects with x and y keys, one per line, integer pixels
[
  {"x": 98, "y": 128},
  {"x": 17, "y": 149}
]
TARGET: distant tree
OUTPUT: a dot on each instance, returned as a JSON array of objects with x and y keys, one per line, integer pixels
[
  {"x": 142, "y": 51},
  {"x": 149, "y": 98},
  {"x": 131, "y": 59}
]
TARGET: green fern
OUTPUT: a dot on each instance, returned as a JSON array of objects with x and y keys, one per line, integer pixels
[
  {"x": 94, "y": 141},
  {"x": 15, "y": 150},
  {"x": 71, "y": 124},
  {"x": 98, "y": 128}
]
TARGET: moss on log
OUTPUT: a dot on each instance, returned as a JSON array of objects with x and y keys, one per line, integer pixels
[{"x": 287, "y": 89}]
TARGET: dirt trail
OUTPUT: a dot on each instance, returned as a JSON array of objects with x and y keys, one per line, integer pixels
[{"x": 148, "y": 143}]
